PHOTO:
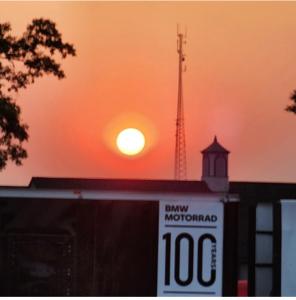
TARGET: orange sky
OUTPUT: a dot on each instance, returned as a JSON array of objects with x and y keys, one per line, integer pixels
[{"x": 240, "y": 72}]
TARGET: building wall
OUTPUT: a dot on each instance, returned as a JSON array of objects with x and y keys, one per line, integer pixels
[{"x": 82, "y": 248}]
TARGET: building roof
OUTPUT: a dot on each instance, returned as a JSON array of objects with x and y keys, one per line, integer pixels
[
  {"x": 254, "y": 192},
  {"x": 120, "y": 184},
  {"x": 215, "y": 147},
  {"x": 250, "y": 192}
]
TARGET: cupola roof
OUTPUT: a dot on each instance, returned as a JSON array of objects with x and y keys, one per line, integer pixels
[{"x": 215, "y": 147}]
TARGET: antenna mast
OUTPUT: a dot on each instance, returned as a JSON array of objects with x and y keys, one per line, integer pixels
[{"x": 180, "y": 149}]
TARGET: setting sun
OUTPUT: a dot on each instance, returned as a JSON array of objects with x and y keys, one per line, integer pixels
[{"x": 130, "y": 141}]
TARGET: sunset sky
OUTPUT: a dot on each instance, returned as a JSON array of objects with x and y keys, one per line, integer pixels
[{"x": 241, "y": 70}]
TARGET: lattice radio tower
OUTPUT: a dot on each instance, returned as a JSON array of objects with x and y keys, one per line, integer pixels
[{"x": 180, "y": 149}]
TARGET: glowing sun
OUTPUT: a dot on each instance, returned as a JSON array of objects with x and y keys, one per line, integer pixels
[{"x": 130, "y": 141}]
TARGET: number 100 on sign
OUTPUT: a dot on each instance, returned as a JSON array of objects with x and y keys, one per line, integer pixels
[{"x": 190, "y": 249}]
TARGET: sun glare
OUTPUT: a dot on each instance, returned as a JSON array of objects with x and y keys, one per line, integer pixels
[{"x": 130, "y": 141}]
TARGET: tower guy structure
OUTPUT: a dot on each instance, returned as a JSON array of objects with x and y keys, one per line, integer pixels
[{"x": 180, "y": 148}]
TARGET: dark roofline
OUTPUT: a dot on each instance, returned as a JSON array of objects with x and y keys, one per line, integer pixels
[
  {"x": 120, "y": 184},
  {"x": 270, "y": 192},
  {"x": 3, "y": 187},
  {"x": 262, "y": 183},
  {"x": 266, "y": 189}
]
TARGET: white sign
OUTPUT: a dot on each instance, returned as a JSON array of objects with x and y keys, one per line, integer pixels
[
  {"x": 288, "y": 278},
  {"x": 190, "y": 248}
]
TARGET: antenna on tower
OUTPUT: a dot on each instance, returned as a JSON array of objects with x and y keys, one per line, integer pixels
[{"x": 180, "y": 148}]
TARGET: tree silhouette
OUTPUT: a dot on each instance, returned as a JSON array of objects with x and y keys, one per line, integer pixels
[
  {"x": 292, "y": 107},
  {"x": 22, "y": 60}
]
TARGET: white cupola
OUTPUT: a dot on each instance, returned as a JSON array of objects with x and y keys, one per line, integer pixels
[{"x": 215, "y": 167}]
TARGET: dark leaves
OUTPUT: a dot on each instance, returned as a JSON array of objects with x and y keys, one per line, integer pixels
[
  {"x": 13, "y": 133},
  {"x": 22, "y": 60},
  {"x": 10, "y": 121},
  {"x": 292, "y": 107},
  {"x": 34, "y": 53},
  {"x": 44, "y": 33}
]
